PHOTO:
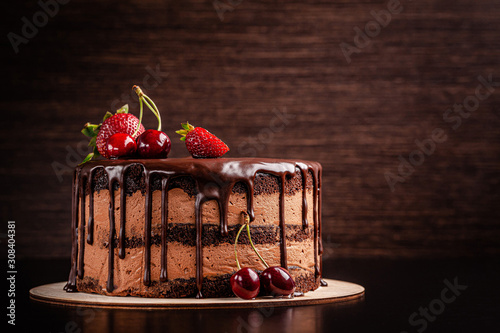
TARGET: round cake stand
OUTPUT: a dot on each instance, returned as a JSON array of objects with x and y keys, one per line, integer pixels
[{"x": 336, "y": 291}]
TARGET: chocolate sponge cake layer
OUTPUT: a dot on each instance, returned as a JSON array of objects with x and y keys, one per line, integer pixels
[
  {"x": 166, "y": 228},
  {"x": 185, "y": 234}
]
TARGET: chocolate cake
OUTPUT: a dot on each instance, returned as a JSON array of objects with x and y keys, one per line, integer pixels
[{"x": 167, "y": 227}]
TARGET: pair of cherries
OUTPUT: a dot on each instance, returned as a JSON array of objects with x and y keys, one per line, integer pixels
[
  {"x": 246, "y": 283},
  {"x": 150, "y": 144},
  {"x": 274, "y": 281}
]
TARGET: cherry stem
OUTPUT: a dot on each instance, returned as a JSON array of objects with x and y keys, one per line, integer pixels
[
  {"x": 153, "y": 108},
  {"x": 143, "y": 98},
  {"x": 140, "y": 117},
  {"x": 236, "y": 243},
  {"x": 247, "y": 223}
]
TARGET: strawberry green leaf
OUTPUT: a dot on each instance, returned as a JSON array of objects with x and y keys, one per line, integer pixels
[
  {"x": 88, "y": 158},
  {"x": 87, "y": 132},
  {"x": 123, "y": 109},
  {"x": 90, "y": 129},
  {"x": 186, "y": 128},
  {"x": 107, "y": 115},
  {"x": 93, "y": 142}
]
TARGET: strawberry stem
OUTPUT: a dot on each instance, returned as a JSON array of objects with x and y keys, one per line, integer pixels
[{"x": 186, "y": 128}]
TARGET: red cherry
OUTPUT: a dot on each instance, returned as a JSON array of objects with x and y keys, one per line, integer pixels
[
  {"x": 153, "y": 144},
  {"x": 277, "y": 281},
  {"x": 120, "y": 145},
  {"x": 245, "y": 283}
]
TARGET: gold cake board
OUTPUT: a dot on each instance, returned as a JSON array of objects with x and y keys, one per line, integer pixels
[{"x": 336, "y": 291}]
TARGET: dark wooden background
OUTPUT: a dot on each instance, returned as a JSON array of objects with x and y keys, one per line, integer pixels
[{"x": 230, "y": 75}]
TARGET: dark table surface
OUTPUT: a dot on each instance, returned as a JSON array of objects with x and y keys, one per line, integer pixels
[{"x": 401, "y": 296}]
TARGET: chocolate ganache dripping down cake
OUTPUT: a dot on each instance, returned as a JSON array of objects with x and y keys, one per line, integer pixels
[{"x": 166, "y": 227}]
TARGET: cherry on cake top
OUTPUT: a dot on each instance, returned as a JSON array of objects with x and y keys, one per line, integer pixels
[{"x": 120, "y": 144}]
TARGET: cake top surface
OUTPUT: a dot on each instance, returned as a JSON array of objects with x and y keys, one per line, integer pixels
[
  {"x": 228, "y": 168},
  {"x": 184, "y": 161}
]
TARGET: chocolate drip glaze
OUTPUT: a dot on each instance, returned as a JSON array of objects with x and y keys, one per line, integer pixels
[
  {"x": 320, "y": 241},
  {"x": 82, "y": 232},
  {"x": 111, "y": 242},
  {"x": 316, "y": 213},
  {"x": 164, "y": 221},
  {"x": 199, "y": 248},
  {"x": 71, "y": 285},
  {"x": 147, "y": 231},
  {"x": 90, "y": 226},
  {"x": 123, "y": 211},
  {"x": 214, "y": 178},
  {"x": 304, "y": 172},
  {"x": 284, "y": 263}
]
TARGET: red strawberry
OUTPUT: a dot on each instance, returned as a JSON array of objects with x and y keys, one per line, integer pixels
[
  {"x": 201, "y": 143},
  {"x": 121, "y": 122}
]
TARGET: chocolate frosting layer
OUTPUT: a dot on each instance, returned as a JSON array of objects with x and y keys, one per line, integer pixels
[{"x": 214, "y": 179}]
